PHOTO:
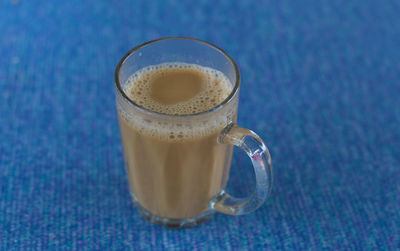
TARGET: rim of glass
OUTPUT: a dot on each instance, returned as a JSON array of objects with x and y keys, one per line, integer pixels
[{"x": 118, "y": 86}]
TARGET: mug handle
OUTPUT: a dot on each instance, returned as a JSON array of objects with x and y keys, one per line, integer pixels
[{"x": 255, "y": 148}]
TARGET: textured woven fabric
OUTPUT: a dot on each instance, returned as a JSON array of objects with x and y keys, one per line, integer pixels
[{"x": 320, "y": 86}]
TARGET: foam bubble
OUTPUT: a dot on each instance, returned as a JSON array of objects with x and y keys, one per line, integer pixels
[{"x": 215, "y": 88}]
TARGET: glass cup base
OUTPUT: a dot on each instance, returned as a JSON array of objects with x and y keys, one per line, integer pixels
[{"x": 173, "y": 223}]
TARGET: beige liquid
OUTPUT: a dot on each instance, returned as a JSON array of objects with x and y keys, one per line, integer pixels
[{"x": 174, "y": 173}]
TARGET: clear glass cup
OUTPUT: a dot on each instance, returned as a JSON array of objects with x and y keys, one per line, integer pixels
[{"x": 190, "y": 189}]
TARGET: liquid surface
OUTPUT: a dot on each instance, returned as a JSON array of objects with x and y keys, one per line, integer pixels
[{"x": 178, "y": 88}]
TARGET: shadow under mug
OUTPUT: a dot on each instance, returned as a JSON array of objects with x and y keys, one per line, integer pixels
[{"x": 188, "y": 190}]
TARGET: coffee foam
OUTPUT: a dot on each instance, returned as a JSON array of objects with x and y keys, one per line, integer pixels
[{"x": 216, "y": 87}]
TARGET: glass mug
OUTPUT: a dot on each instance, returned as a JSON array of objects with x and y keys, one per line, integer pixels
[{"x": 180, "y": 183}]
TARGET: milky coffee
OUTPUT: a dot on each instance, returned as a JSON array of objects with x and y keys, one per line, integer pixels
[{"x": 175, "y": 171}]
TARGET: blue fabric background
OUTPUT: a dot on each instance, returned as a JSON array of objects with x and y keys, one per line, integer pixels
[{"x": 320, "y": 86}]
